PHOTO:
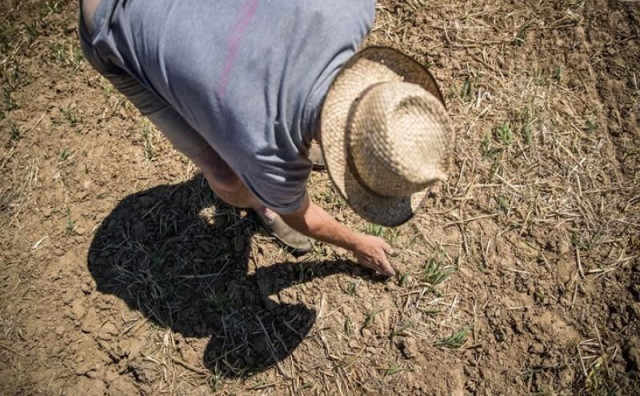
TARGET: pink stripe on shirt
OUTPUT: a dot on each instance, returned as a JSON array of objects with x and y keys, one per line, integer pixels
[{"x": 247, "y": 12}]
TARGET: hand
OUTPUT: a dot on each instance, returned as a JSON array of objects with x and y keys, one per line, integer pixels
[{"x": 371, "y": 252}]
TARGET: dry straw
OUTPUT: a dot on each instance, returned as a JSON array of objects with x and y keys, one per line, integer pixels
[{"x": 386, "y": 135}]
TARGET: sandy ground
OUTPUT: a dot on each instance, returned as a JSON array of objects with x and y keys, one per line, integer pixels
[{"x": 122, "y": 274}]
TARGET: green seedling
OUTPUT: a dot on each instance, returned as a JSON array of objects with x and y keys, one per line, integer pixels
[
  {"x": 8, "y": 101},
  {"x": 219, "y": 302},
  {"x": 404, "y": 278},
  {"x": 467, "y": 91},
  {"x": 348, "y": 327},
  {"x": 528, "y": 134},
  {"x": 352, "y": 288},
  {"x": 403, "y": 326},
  {"x": 15, "y": 130},
  {"x": 504, "y": 134},
  {"x": 70, "y": 114},
  {"x": 429, "y": 312},
  {"x": 65, "y": 154},
  {"x": 7, "y": 37},
  {"x": 388, "y": 234},
  {"x": 32, "y": 31},
  {"x": 504, "y": 203},
  {"x": 70, "y": 224},
  {"x": 436, "y": 273},
  {"x": 69, "y": 55},
  {"x": 149, "y": 151},
  {"x": 394, "y": 368},
  {"x": 456, "y": 340},
  {"x": 374, "y": 229},
  {"x": 557, "y": 73},
  {"x": 371, "y": 316},
  {"x": 519, "y": 39}
]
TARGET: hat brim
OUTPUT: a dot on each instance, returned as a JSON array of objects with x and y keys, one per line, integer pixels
[{"x": 368, "y": 67}]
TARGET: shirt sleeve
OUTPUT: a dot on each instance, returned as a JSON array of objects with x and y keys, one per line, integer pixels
[{"x": 280, "y": 186}]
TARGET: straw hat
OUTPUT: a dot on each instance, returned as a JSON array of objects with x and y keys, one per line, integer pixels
[{"x": 385, "y": 134}]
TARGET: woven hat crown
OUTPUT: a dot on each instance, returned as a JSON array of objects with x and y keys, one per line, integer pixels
[{"x": 398, "y": 139}]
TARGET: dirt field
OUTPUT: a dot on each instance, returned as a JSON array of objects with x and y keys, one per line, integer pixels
[{"x": 122, "y": 274}]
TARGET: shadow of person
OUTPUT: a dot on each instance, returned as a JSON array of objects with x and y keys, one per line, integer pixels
[{"x": 181, "y": 257}]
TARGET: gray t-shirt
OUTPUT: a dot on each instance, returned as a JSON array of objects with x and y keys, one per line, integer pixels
[{"x": 248, "y": 75}]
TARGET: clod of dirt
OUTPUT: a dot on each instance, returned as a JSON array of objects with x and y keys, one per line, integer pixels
[
  {"x": 144, "y": 370},
  {"x": 88, "y": 387},
  {"x": 499, "y": 334},
  {"x": 77, "y": 310},
  {"x": 85, "y": 368},
  {"x": 131, "y": 347},
  {"x": 91, "y": 322},
  {"x": 107, "y": 331},
  {"x": 408, "y": 347},
  {"x": 635, "y": 290},
  {"x": 122, "y": 387},
  {"x": 632, "y": 354},
  {"x": 536, "y": 348}
]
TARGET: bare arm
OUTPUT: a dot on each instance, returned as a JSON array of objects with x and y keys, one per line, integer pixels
[{"x": 315, "y": 222}]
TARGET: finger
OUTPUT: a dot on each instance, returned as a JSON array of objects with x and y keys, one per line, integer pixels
[
  {"x": 386, "y": 268},
  {"x": 387, "y": 248}
]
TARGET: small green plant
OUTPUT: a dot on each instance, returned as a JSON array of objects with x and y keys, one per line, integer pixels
[
  {"x": 504, "y": 134},
  {"x": 374, "y": 229},
  {"x": 32, "y": 31},
  {"x": 65, "y": 154},
  {"x": 394, "y": 368},
  {"x": 8, "y": 102},
  {"x": 70, "y": 114},
  {"x": 599, "y": 381},
  {"x": 503, "y": 203},
  {"x": 436, "y": 273},
  {"x": 456, "y": 340},
  {"x": 404, "y": 278},
  {"x": 108, "y": 89},
  {"x": 557, "y": 73},
  {"x": 218, "y": 302},
  {"x": 519, "y": 39},
  {"x": 149, "y": 151},
  {"x": 403, "y": 326},
  {"x": 7, "y": 37},
  {"x": 587, "y": 242},
  {"x": 467, "y": 90},
  {"x": 216, "y": 381},
  {"x": 528, "y": 134},
  {"x": 352, "y": 288},
  {"x": 15, "y": 130},
  {"x": 388, "y": 234},
  {"x": 591, "y": 126},
  {"x": 371, "y": 316},
  {"x": 70, "y": 224},
  {"x": 69, "y": 55},
  {"x": 348, "y": 327}
]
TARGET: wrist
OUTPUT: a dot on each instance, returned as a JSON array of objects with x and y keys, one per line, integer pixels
[{"x": 353, "y": 242}]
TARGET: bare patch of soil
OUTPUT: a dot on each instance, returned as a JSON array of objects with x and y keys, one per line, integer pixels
[{"x": 122, "y": 274}]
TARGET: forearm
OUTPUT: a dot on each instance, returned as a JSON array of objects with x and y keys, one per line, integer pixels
[{"x": 315, "y": 222}]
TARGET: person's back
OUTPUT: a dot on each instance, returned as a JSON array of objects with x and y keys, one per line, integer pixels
[{"x": 249, "y": 76}]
